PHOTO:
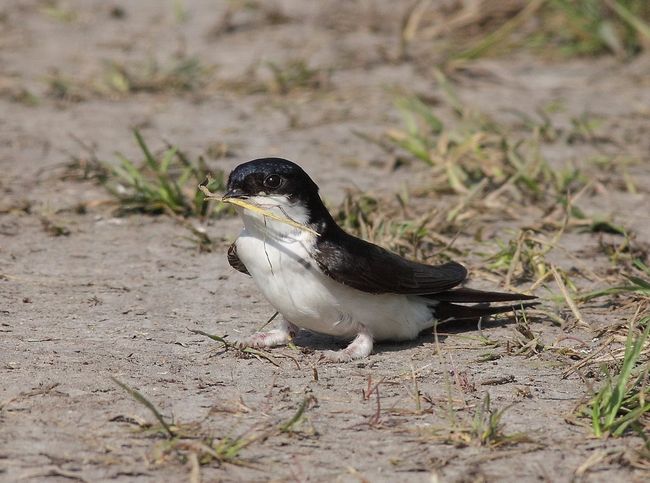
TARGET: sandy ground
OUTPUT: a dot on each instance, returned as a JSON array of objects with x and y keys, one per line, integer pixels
[{"x": 117, "y": 295}]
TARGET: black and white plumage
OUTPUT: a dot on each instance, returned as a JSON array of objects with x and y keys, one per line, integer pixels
[{"x": 334, "y": 283}]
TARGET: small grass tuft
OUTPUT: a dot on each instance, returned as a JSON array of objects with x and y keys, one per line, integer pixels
[
  {"x": 63, "y": 88},
  {"x": 395, "y": 225},
  {"x": 186, "y": 74},
  {"x": 623, "y": 403},
  {"x": 521, "y": 257},
  {"x": 592, "y": 27},
  {"x": 636, "y": 286},
  {"x": 162, "y": 184},
  {"x": 60, "y": 13},
  {"x": 485, "y": 429},
  {"x": 289, "y": 425},
  {"x": 553, "y": 28},
  {"x": 526, "y": 342},
  {"x": 137, "y": 395},
  {"x": 192, "y": 441},
  {"x": 476, "y": 155},
  {"x": 183, "y": 441},
  {"x": 296, "y": 75}
]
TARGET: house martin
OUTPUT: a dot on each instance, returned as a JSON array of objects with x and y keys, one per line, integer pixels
[{"x": 325, "y": 280}]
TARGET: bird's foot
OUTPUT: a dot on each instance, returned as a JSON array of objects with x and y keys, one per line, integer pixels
[
  {"x": 272, "y": 338},
  {"x": 359, "y": 348}
]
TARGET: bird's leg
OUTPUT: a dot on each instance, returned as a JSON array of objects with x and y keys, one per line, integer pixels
[
  {"x": 359, "y": 348},
  {"x": 272, "y": 338}
]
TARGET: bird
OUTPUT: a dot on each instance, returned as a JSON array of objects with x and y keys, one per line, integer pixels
[{"x": 324, "y": 280}]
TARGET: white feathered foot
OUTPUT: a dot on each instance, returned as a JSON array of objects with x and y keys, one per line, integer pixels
[{"x": 359, "y": 348}]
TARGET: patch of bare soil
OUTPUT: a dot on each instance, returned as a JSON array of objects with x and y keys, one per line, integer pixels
[{"x": 86, "y": 295}]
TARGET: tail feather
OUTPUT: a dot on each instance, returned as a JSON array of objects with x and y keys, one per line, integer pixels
[
  {"x": 445, "y": 311},
  {"x": 471, "y": 295}
]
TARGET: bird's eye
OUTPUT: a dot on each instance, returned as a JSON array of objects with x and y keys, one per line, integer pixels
[{"x": 273, "y": 181}]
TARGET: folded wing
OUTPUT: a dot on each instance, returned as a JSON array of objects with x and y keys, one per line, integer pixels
[
  {"x": 370, "y": 268},
  {"x": 234, "y": 260}
]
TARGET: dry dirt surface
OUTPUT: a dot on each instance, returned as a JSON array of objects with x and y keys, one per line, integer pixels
[{"x": 87, "y": 295}]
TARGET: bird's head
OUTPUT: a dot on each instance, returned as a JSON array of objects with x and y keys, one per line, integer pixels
[{"x": 279, "y": 185}]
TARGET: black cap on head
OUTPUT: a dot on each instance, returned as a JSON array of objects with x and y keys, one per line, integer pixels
[
  {"x": 277, "y": 176},
  {"x": 271, "y": 176}
]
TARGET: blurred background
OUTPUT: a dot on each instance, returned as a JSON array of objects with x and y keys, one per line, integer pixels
[
  {"x": 519, "y": 100},
  {"x": 242, "y": 79}
]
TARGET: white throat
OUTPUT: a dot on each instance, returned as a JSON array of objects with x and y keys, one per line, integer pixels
[{"x": 258, "y": 224}]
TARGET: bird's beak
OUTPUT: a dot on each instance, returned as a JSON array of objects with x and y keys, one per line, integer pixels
[{"x": 234, "y": 193}]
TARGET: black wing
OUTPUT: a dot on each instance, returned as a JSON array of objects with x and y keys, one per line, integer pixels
[
  {"x": 370, "y": 268},
  {"x": 234, "y": 260}
]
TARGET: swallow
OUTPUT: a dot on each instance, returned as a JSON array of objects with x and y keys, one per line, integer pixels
[{"x": 327, "y": 281}]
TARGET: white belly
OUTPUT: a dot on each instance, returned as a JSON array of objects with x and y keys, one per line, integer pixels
[{"x": 291, "y": 281}]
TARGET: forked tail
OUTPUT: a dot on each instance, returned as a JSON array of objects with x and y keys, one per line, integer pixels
[{"x": 446, "y": 310}]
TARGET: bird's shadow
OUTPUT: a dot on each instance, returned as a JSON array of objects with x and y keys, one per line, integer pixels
[{"x": 315, "y": 341}]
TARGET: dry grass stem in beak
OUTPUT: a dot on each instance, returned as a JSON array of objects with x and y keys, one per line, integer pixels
[{"x": 256, "y": 209}]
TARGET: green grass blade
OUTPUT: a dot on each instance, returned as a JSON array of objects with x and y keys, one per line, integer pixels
[
  {"x": 135, "y": 394},
  {"x": 502, "y": 33},
  {"x": 416, "y": 106},
  {"x": 288, "y": 426},
  {"x": 149, "y": 158},
  {"x": 628, "y": 17},
  {"x": 619, "y": 405},
  {"x": 166, "y": 160}
]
